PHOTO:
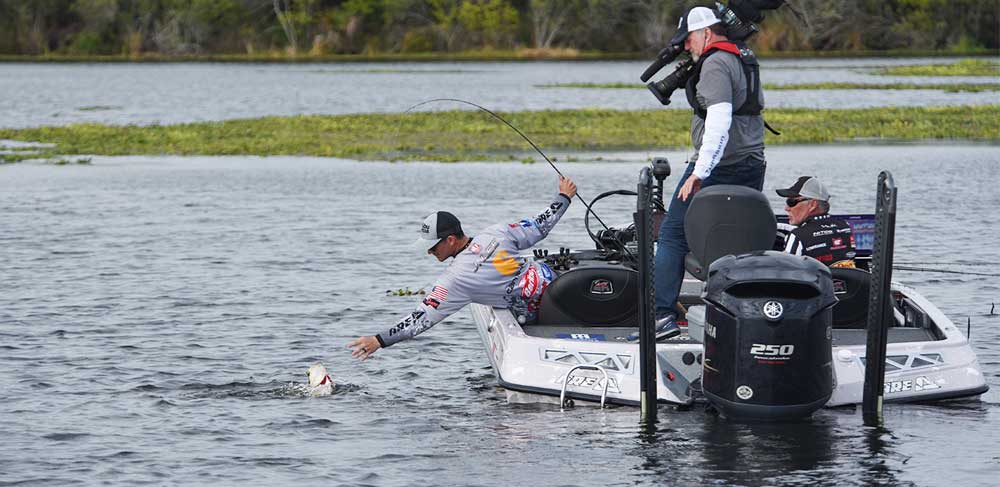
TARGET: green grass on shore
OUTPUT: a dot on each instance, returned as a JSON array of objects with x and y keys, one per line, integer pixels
[
  {"x": 952, "y": 88},
  {"x": 469, "y": 135},
  {"x": 964, "y": 67}
]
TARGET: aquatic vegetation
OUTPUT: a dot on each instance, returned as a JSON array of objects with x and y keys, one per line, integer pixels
[
  {"x": 964, "y": 67},
  {"x": 15, "y": 151},
  {"x": 462, "y": 135},
  {"x": 404, "y": 292},
  {"x": 949, "y": 87},
  {"x": 98, "y": 108},
  {"x": 605, "y": 86}
]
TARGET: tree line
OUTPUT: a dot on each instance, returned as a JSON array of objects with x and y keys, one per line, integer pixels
[{"x": 322, "y": 27}]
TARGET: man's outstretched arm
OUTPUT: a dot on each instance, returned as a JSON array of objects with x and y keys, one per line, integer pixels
[{"x": 530, "y": 231}]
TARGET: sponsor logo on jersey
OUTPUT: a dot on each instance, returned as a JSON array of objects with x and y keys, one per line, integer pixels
[
  {"x": 546, "y": 272},
  {"x": 504, "y": 263},
  {"x": 529, "y": 283},
  {"x": 544, "y": 217},
  {"x": 433, "y": 303},
  {"x": 475, "y": 248},
  {"x": 409, "y": 320}
]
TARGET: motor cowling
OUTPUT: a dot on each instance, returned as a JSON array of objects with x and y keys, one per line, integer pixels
[{"x": 768, "y": 332}]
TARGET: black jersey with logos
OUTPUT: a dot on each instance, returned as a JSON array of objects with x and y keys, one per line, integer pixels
[{"x": 825, "y": 239}]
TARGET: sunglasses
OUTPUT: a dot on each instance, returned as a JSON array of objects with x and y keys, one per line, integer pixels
[
  {"x": 791, "y": 202},
  {"x": 431, "y": 250}
]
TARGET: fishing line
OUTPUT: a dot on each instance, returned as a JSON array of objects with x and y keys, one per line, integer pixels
[{"x": 525, "y": 137}]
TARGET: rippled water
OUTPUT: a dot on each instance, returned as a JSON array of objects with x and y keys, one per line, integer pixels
[
  {"x": 59, "y": 94},
  {"x": 157, "y": 314}
]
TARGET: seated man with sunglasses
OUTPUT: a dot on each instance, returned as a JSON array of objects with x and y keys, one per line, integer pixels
[
  {"x": 485, "y": 269},
  {"x": 817, "y": 235}
]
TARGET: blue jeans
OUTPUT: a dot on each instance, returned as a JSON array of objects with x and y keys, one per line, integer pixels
[{"x": 672, "y": 246}]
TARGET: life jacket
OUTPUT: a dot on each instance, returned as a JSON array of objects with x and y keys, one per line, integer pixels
[{"x": 751, "y": 70}]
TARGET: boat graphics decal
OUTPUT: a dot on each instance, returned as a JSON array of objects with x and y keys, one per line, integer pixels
[
  {"x": 588, "y": 382},
  {"x": 919, "y": 384},
  {"x": 609, "y": 361},
  {"x": 587, "y": 337}
]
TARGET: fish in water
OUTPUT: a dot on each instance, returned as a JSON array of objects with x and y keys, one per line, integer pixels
[{"x": 320, "y": 383}]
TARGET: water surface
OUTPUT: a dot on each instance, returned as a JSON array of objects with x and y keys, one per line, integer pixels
[
  {"x": 157, "y": 310},
  {"x": 60, "y": 94}
]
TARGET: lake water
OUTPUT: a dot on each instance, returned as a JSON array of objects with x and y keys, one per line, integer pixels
[
  {"x": 59, "y": 94},
  {"x": 157, "y": 310}
]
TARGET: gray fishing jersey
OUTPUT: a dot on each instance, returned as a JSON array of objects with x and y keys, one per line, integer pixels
[{"x": 488, "y": 271}]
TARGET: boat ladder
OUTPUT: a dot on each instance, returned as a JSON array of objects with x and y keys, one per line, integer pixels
[{"x": 562, "y": 393}]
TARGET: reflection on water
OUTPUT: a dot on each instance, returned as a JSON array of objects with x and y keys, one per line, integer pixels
[{"x": 158, "y": 315}]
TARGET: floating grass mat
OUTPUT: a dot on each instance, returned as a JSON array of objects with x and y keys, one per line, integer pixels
[
  {"x": 472, "y": 135},
  {"x": 949, "y": 87},
  {"x": 964, "y": 67}
]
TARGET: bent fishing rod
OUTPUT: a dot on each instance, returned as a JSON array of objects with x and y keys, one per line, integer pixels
[{"x": 533, "y": 146}]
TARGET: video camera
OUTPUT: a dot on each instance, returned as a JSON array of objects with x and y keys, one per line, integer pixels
[{"x": 740, "y": 20}]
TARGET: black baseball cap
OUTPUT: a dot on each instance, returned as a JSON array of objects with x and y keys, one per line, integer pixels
[{"x": 436, "y": 226}]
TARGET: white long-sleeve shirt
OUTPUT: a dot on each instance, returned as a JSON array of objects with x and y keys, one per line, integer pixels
[{"x": 489, "y": 271}]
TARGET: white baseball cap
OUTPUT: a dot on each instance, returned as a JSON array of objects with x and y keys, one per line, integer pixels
[
  {"x": 806, "y": 187},
  {"x": 701, "y": 17},
  {"x": 436, "y": 226},
  {"x": 697, "y": 18}
]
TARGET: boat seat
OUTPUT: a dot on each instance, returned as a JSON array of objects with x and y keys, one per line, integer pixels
[
  {"x": 604, "y": 295},
  {"x": 851, "y": 287},
  {"x": 726, "y": 220}
]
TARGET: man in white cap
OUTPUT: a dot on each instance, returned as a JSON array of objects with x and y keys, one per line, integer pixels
[
  {"x": 727, "y": 131},
  {"x": 486, "y": 269},
  {"x": 818, "y": 235}
]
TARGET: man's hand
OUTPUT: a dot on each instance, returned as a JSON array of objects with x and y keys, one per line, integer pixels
[
  {"x": 364, "y": 347},
  {"x": 567, "y": 187},
  {"x": 691, "y": 186}
]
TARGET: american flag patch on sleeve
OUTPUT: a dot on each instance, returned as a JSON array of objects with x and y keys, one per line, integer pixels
[{"x": 439, "y": 293}]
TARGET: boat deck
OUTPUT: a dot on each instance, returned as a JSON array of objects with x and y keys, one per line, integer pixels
[{"x": 842, "y": 338}]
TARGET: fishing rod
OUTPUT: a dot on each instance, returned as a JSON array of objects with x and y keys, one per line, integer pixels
[{"x": 529, "y": 141}]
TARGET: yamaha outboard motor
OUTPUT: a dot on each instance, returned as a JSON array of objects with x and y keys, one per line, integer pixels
[{"x": 768, "y": 330}]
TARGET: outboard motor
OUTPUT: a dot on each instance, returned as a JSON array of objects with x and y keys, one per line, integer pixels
[{"x": 768, "y": 331}]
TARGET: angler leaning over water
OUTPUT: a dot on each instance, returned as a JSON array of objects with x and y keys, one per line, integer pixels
[
  {"x": 485, "y": 269},
  {"x": 727, "y": 130}
]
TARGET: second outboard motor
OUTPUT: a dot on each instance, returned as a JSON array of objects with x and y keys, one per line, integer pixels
[{"x": 768, "y": 336}]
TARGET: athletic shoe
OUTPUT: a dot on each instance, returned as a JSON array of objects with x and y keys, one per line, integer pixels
[{"x": 666, "y": 328}]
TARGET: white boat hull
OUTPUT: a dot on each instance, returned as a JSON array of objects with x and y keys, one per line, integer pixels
[{"x": 927, "y": 370}]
